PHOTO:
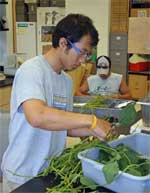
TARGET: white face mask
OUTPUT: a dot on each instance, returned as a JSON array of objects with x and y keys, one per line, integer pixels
[
  {"x": 102, "y": 71},
  {"x": 103, "y": 66}
]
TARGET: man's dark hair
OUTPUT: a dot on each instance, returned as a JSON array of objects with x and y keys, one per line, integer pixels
[
  {"x": 106, "y": 57},
  {"x": 74, "y": 27}
]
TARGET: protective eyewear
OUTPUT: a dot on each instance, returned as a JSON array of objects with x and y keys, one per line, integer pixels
[
  {"x": 80, "y": 52},
  {"x": 104, "y": 67}
]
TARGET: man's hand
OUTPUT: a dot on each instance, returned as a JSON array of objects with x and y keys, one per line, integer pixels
[{"x": 102, "y": 129}]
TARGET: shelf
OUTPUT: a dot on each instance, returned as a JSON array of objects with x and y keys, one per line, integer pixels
[
  {"x": 3, "y": 3},
  {"x": 142, "y": 73},
  {"x": 4, "y": 29},
  {"x": 140, "y": 5}
]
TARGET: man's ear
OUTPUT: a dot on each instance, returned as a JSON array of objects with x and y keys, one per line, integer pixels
[{"x": 63, "y": 45}]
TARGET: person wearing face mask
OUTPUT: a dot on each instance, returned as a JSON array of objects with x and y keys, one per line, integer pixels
[{"x": 105, "y": 82}]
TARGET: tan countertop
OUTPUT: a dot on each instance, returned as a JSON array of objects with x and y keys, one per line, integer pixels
[{"x": 8, "y": 81}]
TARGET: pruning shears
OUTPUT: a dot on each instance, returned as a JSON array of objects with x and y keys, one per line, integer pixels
[{"x": 114, "y": 132}]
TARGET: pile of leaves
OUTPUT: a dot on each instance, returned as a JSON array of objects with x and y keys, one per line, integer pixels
[
  {"x": 67, "y": 167},
  {"x": 97, "y": 101},
  {"x": 122, "y": 158},
  {"x": 126, "y": 117}
]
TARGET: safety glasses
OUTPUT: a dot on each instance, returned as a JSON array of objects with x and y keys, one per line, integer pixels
[
  {"x": 104, "y": 67},
  {"x": 80, "y": 52}
]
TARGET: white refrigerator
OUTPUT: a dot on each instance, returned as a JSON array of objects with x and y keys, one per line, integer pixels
[{"x": 26, "y": 38}]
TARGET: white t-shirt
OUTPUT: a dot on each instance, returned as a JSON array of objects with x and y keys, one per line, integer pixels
[
  {"x": 109, "y": 86},
  {"x": 29, "y": 147}
]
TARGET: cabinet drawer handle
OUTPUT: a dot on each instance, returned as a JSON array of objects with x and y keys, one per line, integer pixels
[
  {"x": 118, "y": 38},
  {"x": 117, "y": 53}
]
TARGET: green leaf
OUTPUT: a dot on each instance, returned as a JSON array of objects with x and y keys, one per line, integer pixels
[
  {"x": 134, "y": 172},
  {"x": 123, "y": 162},
  {"x": 74, "y": 177},
  {"x": 88, "y": 182},
  {"x": 110, "y": 171},
  {"x": 104, "y": 156},
  {"x": 127, "y": 115},
  {"x": 56, "y": 191},
  {"x": 145, "y": 168}
]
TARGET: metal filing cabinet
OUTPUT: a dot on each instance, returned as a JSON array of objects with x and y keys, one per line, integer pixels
[
  {"x": 118, "y": 41},
  {"x": 118, "y": 53}
]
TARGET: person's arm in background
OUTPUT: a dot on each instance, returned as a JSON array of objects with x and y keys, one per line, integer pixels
[
  {"x": 124, "y": 91},
  {"x": 83, "y": 89}
]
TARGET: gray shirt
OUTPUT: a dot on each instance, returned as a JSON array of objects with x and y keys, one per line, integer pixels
[{"x": 29, "y": 147}]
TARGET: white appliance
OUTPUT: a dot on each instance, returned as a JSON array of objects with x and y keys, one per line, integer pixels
[
  {"x": 47, "y": 18},
  {"x": 26, "y": 38}
]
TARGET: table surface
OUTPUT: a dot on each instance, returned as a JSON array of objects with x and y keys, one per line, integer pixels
[
  {"x": 40, "y": 184},
  {"x": 7, "y": 82}
]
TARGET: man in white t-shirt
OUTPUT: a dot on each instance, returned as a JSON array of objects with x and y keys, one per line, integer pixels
[
  {"x": 105, "y": 82},
  {"x": 41, "y": 103}
]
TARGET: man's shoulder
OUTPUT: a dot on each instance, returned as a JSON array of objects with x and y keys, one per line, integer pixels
[
  {"x": 29, "y": 62},
  {"x": 33, "y": 63},
  {"x": 67, "y": 76},
  {"x": 93, "y": 77},
  {"x": 34, "y": 60},
  {"x": 113, "y": 74}
]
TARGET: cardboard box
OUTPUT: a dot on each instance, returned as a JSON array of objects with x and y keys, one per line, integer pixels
[
  {"x": 138, "y": 85},
  {"x": 138, "y": 35},
  {"x": 142, "y": 12}
]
